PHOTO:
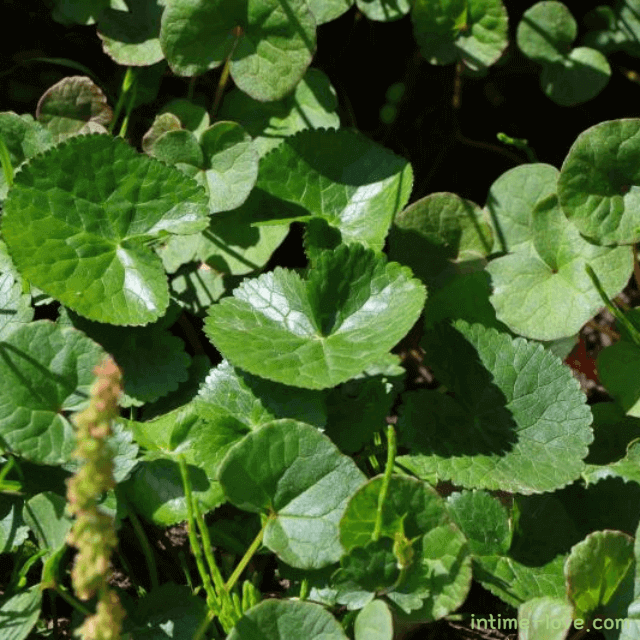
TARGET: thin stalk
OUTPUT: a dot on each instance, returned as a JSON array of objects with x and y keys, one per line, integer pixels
[
  {"x": 224, "y": 76},
  {"x": 386, "y": 479},
  {"x": 634, "y": 334},
  {"x": 132, "y": 97},
  {"x": 304, "y": 589},
  {"x": 196, "y": 549},
  {"x": 144, "y": 542},
  {"x": 253, "y": 547},
  {"x": 124, "y": 89},
  {"x": 208, "y": 549},
  {"x": 72, "y": 600}
]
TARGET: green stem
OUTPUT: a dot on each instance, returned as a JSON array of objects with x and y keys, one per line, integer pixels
[
  {"x": 304, "y": 589},
  {"x": 255, "y": 545},
  {"x": 73, "y": 601},
  {"x": 5, "y": 159},
  {"x": 196, "y": 549},
  {"x": 142, "y": 539},
  {"x": 124, "y": 89},
  {"x": 132, "y": 97},
  {"x": 224, "y": 76},
  {"x": 386, "y": 479},
  {"x": 208, "y": 550},
  {"x": 634, "y": 334}
]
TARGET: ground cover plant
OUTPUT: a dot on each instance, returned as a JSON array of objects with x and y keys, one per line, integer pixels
[{"x": 263, "y": 375}]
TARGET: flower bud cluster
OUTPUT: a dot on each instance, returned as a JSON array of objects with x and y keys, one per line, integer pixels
[{"x": 93, "y": 532}]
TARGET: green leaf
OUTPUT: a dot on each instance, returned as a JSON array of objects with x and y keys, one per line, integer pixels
[
  {"x": 546, "y": 32},
  {"x": 255, "y": 401},
  {"x": 77, "y": 218},
  {"x": 328, "y": 10},
  {"x": 583, "y": 75},
  {"x": 73, "y": 106},
  {"x": 312, "y": 105},
  {"x": 340, "y": 176},
  {"x": 269, "y": 45},
  {"x": 600, "y": 574},
  {"x": 287, "y": 620},
  {"x": 438, "y": 233},
  {"x": 512, "y": 199},
  {"x": 444, "y": 36},
  {"x": 318, "y": 332},
  {"x": 516, "y": 419},
  {"x": 13, "y": 530},
  {"x": 196, "y": 288},
  {"x": 359, "y": 407},
  {"x": 24, "y": 138},
  {"x": 75, "y": 12},
  {"x": 617, "y": 369},
  {"x": 154, "y": 361},
  {"x": 231, "y": 244},
  {"x": 599, "y": 184},
  {"x": 19, "y": 613},
  {"x": 544, "y": 619},
  {"x": 384, "y": 10},
  {"x": 483, "y": 520},
  {"x": 16, "y": 305},
  {"x": 438, "y": 575},
  {"x": 294, "y": 474},
  {"x": 543, "y": 290},
  {"x": 169, "y": 611},
  {"x": 374, "y": 622},
  {"x": 173, "y": 147},
  {"x": 45, "y": 373},
  {"x": 130, "y": 35}
]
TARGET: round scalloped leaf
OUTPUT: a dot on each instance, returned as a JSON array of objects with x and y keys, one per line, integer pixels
[
  {"x": 383, "y": 10},
  {"x": 512, "y": 198},
  {"x": 474, "y": 31},
  {"x": 374, "y": 622},
  {"x": 438, "y": 569},
  {"x": 69, "y": 106},
  {"x": 154, "y": 361},
  {"x": 312, "y": 105},
  {"x": 269, "y": 45},
  {"x": 600, "y": 575},
  {"x": 515, "y": 583},
  {"x": 516, "y": 419},
  {"x": 16, "y": 305},
  {"x": 231, "y": 165},
  {"x": 599, "y": 184},
  {"x": 177, "y": 146},
  {"x": 162, "y": 124},
  {"x": 24, "y": 138},
  {"x": 534, "y": 618},
  {"x": 318, "y": 332},
  {"x": 131, "y": 36},
  {"x": 546, "y": 32},
  {"x": 581, "y": 76},
  {"x": 77, "y": 218},
  {"x": 543, "y": 290},
  {"x": 617, "y": 366},
  {"x": 327, "y": 10},
  {"x": 255, "y": 401},
  {"x": 291, "y": 472},
  {"x": 483, "y": 520},
  {"x": 353, "y": 183},
  {"x": 438, "y": 230},
  {"x": 287, "y": 620},
  {"x": 45, "y": 373}
]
